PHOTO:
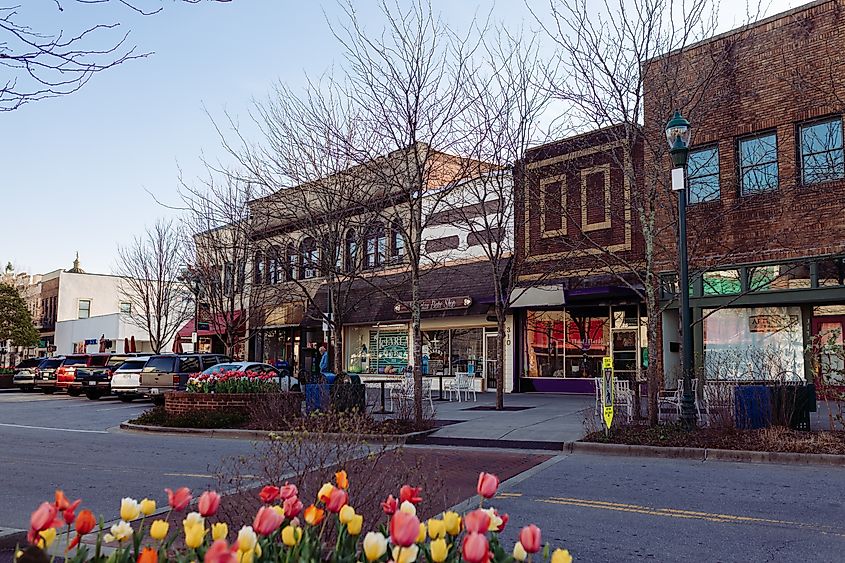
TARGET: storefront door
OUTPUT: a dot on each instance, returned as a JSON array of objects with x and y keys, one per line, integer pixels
[
  {"x": 491, "y": 358},
  {"x": 828, "y": 344}
]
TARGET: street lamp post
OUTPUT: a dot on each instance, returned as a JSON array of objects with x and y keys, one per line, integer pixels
[{"x": 678, "y": 137}]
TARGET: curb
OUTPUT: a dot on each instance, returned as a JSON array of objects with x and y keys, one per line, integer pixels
[
  {"x": 10, "y": 538},
  {"x": 266, "y": 434},
  {"x": 426, "y": 440}
]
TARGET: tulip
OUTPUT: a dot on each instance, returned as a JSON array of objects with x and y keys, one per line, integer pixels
[
  {"x": 279, "y": 510},
  {"x": 268, "y": 494},
  {"x": 85, "y": 522},
  {"x": 355, "y": 525},
  {"x": 405, "y": 554},
  {"x": 477, "y": 521},
  {"x": 346, "y": 513},
  {"x": 148, "y": 555},
  {"x": 487, "y": 485},
  {"x": 404, "y": 529},
  {"x": 436, "y": 528},
  {"x": 337, "y": 500},
  {"x": 288, "y": 491},
  {"x": 148, "y": 506},
  {"x": 209, "y": 503},
  {"x": 341, "y": 479},
  {"x": 159, "y": 529},
  {"x": 411, "y": 494},
  {"x": 519, "y": 552},
  {"x": 314, "y": 515},
  {"x": 179, "y": 499},
  {"x": 439, "y": 550},
  {"x": 561, "y": 556},
  {"x": 69, "y": 513},
  {"x": 121, "y": 531},
  {"x": 291, "y": 535},
  {"x": 530, "y": 538},
  {"x": 219, "y": 531},
  {"x": 62, "y": 503},
  {"x": 43, "y": 517},
  {"x": 247, "y": 540},
  {"x": 375, "y": 545},
  {"x": 194, "y": 535},
  {"x": 389, "y": 506},
  {"x": 292, "y": 507},
  {"x": 324, "y": 492},
  {"x": 452, "y": 520},
  {"x": 267, "y": 521},
  {"x": 193, "y": 519},
  {"x": 504, "y": 518},
  {"x": 475, "y": 548},
  {"x": 245, "y": 556},
  {"x": 47, "y": 536},
  {"x": 408, "y": 508},
  {"x": 423, "y": 533},
  {"x": 129, "y": 509},
  {"x": 220, "y": 552}
]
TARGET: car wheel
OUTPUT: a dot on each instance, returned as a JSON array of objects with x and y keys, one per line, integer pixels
[
  {"x": 73, "y": 392},
  {"x": 48, "y": 390},
  {"x": 126, "y": 398},
  {"x": 93, "y": 395}
]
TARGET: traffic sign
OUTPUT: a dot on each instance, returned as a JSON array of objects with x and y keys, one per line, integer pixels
[{"x": 607, "y": 390}]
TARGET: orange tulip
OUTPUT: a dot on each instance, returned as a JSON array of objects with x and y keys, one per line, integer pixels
[
  {"x": 85, "y": 522},
  {"x": 341, "y": 479},
  {"x": 314, "y": 515},
  {"x": 410, "y": 494},
  {"x": 148, "y": 555},
  {"x": 487, "y": 485},
  {"x": 178, "y": 499},
  {"x": 530, "y": 538},
  {"x": 404, "y": 529},
  {"x": 62, "y": 503}
]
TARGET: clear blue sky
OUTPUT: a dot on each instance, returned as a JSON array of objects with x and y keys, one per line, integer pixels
[{"x": 75, "y": 170}]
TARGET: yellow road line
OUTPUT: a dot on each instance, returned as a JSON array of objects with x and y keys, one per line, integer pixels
[{"x": 508, "y": 495}]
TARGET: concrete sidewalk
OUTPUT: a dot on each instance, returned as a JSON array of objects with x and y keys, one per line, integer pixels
[{"x": 543, "y": 419}]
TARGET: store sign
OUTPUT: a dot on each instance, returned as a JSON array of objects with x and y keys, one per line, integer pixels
[
  {"x": 771, "y": 323},
  {"x": 439, "y": 304},
  {"x": 91, "y": 341}
]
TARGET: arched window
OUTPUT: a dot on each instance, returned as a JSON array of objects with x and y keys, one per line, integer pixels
[
  {"x": 351, "y": 251},
  {"x": 259, "y": 269},
  {"x": 397, "y": 241},
  {"x": 375, "y": 246},
  {"x": 275, "y": 265},
  {"x": 310, "y": 258},
  {"x": 293, "y": 263}
]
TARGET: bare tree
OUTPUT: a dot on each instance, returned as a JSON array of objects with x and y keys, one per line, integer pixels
[{"x": 150, "y": 269}]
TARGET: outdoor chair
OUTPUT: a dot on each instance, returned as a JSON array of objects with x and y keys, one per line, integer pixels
[
  {"x": 400, "y": 388},
  {"x": 405, "y": 392},
  {"x": 624, "y": 397},
  {"x": 673, "y": 399}
]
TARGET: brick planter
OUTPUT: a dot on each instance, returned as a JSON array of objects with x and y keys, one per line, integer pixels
[{"x": 182, "y": 402}]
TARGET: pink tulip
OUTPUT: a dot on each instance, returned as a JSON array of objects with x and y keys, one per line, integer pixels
[
  {"x": 487, "y": 485},
  {"x": 220, "y": 552},
  {"x": 477, "y": 522},
  {"x": 292, "y": 507},
  {"x": 337, "y": 500},
  {"x": 178, "y": 499},
  {"x": 267, "y": 521},
  {"x": 404, "y": 529},
  {"x": 530, "y": 538},
  {"x": 288, "y": 491},
  {"x": 209, "y": 503},
  {"x": 475, "y": 548}
]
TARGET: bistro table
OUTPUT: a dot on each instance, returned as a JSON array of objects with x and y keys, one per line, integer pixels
[{"x": 382, "y": 382}]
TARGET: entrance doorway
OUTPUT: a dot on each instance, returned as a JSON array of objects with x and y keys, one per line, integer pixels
[
  {"x": 829, "y": 348},
  {"x": 491, "y": 357}
]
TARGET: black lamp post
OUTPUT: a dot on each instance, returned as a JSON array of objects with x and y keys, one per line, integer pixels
[{"x": 678, "y": 137}]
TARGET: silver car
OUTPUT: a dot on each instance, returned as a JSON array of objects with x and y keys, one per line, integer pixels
[
  {"x": 25, "y": 374},
  {"x": 127, "y": 377}
]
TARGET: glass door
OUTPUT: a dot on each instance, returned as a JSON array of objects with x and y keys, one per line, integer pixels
[
  {"x": 625, "y": 348},
  {"x": 491, "y": 357},
  {"x": 828, "y": 344}
]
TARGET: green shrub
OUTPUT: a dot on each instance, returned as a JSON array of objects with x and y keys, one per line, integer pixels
[{"x": 157, "y": 416}]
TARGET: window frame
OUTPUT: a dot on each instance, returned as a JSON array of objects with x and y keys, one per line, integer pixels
[
  {"x": 802, "y": 155},
  {"x": 377, "y": 235},
  {"x": 717, "y": 194},
  {"x": 351, "y": 252},
  {"x": 125, "y": 310},
  {"x": 742, "y": 169},
  {"x": 79, "y": 303},
  {"x": 309, "y": 259}
]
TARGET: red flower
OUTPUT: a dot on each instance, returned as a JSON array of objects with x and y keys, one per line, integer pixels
[
  {"x": 409, "y": 493},
  {"x": 404, "y": 529},
  {"x": 69, "y": 513},
  {"x": 179, "y": 499},
  {"x": 268, "y": 494},
  {"x": 487, "y": 485},
  {"x": 390, "y": 505},
  {"x": 477, "y": 522},
  {"x": 209, "y": 503},
  {"x": 476, "y": 548},
  {"x": 292, "y": 507},
  {"x": 220, "y": 552},
  {"x": 267, "y": 521},
  {"x": 530, "y": 538},
  {"x": 504, "y": 518},
  {"x": 287, "y": 491},
  {"x": 85, "y": 522},
  {"x": 337, "y": 500},
  {"x": 62, "y": 503},
  {"x": 42, "y": 518}
]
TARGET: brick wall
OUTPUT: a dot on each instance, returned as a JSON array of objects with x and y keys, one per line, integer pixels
[{"x": 182, "y": 402}]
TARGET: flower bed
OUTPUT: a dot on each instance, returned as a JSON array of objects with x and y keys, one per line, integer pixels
[
  {"x": 283, "y": 529},
  {"x": 233, "y": 382},
  {"x": 178, "y": 403}
]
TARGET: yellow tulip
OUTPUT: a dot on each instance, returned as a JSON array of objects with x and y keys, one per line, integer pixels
[
  {"x": 408, "y": 507},
  {"x": 561, "y": 556},
  {"x": 423, "y": 532},
  {"x": 193, "y": 519},
  {"x": 257, "y": 550},
  {"x": 325, "y": 491},
  {"x": 246, "y": 556},
  {"x": 247, "y": 539},
  {"x": 439, "y": 550},
  {"x": 355, "y": 525},
  {"x": 346, "y": 514},
  {"x": 219, "y": 531},
  {"x": 453, "y": 523},
  {"x": 375, "y": 545},
  {"x": 519, "y": 552},
  {"x": 48, "y": 536},
  {"x": 194, "y": 536},
  {"x": 159, "y": 529},
  {"x": 148, "y": 506},
  {"x": 129, "y": 509},
  {"x": 436, "y": 529},
  {"x": 405, "y": 554},
  {"x": 291, "y": 535}
]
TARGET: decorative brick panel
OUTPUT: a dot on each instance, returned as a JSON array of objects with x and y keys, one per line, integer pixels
[{"x": 182, "y": 402}]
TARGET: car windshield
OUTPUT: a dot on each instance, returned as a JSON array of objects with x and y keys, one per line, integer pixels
[
  {"x": 75, "y": 361},
  {"x": 160, "y": 364},
  {"x": 132, "y": 364},
  {"x": 222, "y": 367},
  {"x": 31, "y": 363},
  {"x": 116, "y": 360},
  {"x": 50, "y": 364}
]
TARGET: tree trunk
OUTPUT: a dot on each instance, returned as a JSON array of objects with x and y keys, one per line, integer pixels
[
  {"x": 653, "y": 349},
  {"x": 416, "y": 334}
]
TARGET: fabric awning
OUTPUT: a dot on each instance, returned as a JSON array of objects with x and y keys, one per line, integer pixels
[
  {"x": 540, "y": 296},
  {"x": 215, "y": 326}
]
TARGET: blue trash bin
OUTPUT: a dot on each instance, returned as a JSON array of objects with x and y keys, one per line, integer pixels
[
  {"x": 317, "y": 397},
  {"x": 752, "y": 407},
  {"x": 329, "y": 377}
]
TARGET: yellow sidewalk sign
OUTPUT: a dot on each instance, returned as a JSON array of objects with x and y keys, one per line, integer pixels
[{"x": 607, "y": 388}]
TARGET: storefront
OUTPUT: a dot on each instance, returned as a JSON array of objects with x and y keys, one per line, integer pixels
[{"x": 285, "y": 332}]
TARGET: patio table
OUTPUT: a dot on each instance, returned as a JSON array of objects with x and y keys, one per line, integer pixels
[{"x": 382, "y": 383}]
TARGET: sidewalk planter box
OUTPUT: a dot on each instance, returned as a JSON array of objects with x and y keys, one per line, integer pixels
[
  {"x": 182, "y": 402},
  {"x": 349, "y": 396},
  {"x": 6, "y": 380}
]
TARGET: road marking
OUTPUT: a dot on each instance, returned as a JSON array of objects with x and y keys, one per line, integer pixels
[
  {"x": 120, "y": 408},
  {"x": 50, "y": 428},
  {"x": 508, "y": 495},
  {"x": 197, "y": 475}
]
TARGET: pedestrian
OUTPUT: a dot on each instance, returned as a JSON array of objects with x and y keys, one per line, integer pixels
[{"x": 324, "y": 359}]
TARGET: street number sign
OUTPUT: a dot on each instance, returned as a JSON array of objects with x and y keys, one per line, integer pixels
[{"x": 607, "y": 387}]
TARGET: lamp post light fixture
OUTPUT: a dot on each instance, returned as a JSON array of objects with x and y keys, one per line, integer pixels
[{"x": 678, "y": 136}]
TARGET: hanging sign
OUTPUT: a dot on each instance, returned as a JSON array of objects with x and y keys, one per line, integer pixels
[
  {"x": 439, "y": 304},
  {"x": 607, "y": 390}
]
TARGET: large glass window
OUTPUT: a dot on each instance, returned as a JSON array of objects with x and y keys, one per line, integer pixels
[
  {"x": 397, "y": 241},
  {"x": 703, "y": 174},
  {"x": 293, "y": 263},
  {"x": 567, "y": 344},
  {"x": 721, "y": 282},
  {"x": 260, "y": 269},
  {"x": 375, "y": 246},
  {"x": 822, "y": 156},
  {"x": 466, "y": 350},
  {"x": 310, "y": 258},
  {"x": 435, "y": 352},
  {"x": 758, "y": 163}
]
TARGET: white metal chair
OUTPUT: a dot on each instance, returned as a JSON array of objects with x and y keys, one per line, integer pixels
[
  {"x": 405, "y": 392},
  {"x": 624, "y": 397},
  {"x": 400, "y": 388},
  {"x": 673, "y": 399},
  {"x": 597, "y": 382}
]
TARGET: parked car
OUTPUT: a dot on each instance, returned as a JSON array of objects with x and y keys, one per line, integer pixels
[
  {"x": 286, "y": 381},
  {"x": 66, "y": 373},
  {"x": 24, "y": 377},
  {"x": 170, "y": 372},
  {"x": 127, "y": 378},
  {"x": 96, "y": 382},
  {"x": 45, "y": 374}
]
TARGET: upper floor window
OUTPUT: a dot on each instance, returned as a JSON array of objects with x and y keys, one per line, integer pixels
[
  {"x": 351, "y": 251},
  {"x": 228, "y": 277},
  {"x": 293, "y": 263},
  {"x": 260, "y": 269},
  {"x": 703, "y": 174},
  {"x": 310, "y": 258},
  {"x": 375, "y": 246},
  {"x": 126, "y": 307},
  {"x": 758, "y": 163},
  {"x": 275, "y": 265},
  {"x": 84, "y": 308},
  {"x": 397, "y": 241},
  {"x": 822, "y": 157}
]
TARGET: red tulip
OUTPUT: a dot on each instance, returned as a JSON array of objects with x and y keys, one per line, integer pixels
[
  {"x": 292, "y": 507},
  {"x": 477, "y": 522},
  {"x": 288, "y": 491},
  {"x": 178, "y": 499},
  {"x": 268, "y": 494},
  {"x": 85, "y": 522},
  {"x": 267, "y": 521},
  {"x": 530, "y": 538},
  {"x": 409, "y": 493},
  {"x": 69, "y": 513},
  {"x": 209, "y": 503},
  {"x": 475, "y": 548},
  {"x": 390, "y": 505},
  {"x": 487, "y": 485},
  {"x": 505, "y": 519},
  {"x": 404, "y": 529},
  {"x": 220, "y": 552},
  {"x": 337, "y": 500}
]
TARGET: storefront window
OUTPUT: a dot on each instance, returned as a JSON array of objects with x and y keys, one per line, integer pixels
[
  {"x": 466, "y": 350},
  {"x": 358, "y": 350},
  {"x": 567, "y": 344},
  {"x": 762, "y": 343},
  {"x": 435, "y": 351}
]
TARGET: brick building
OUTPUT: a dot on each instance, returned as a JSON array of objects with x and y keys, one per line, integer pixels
[{"x": 767, "y": 194}]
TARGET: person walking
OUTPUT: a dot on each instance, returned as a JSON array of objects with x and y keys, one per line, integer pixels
[{"x": 324, "y": 359}]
